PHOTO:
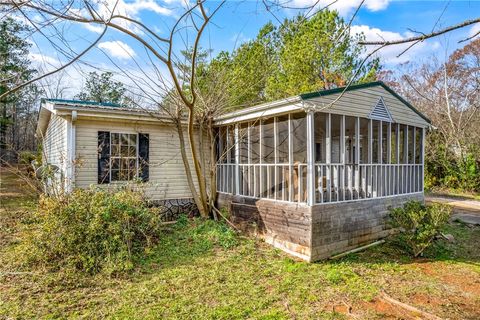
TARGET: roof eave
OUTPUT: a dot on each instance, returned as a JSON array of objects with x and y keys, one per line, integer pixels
[{"x": 262, "y": 110}]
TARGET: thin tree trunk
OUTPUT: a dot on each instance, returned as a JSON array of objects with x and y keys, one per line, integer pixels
[
  {"x": 186, "y": 164},
  {"x": 204, "y": 210},
  {"x": 212, "y": 165}
]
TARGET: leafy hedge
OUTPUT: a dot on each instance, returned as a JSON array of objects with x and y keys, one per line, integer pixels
[
  {"x": 92, "y": 230},
  {"x": 419, "y": 224}
]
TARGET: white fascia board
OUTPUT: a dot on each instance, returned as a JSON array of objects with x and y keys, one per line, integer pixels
[
  {"x": 42, "y": 121},
  {"x": 260, "y": 107},
  {"x": 257, "y": 113},
  {"x": 112, "y": 114}
]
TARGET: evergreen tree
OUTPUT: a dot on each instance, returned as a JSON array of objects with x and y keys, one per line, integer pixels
[
  {"x": 302, "y": 55},
  {"x": 104, "y": 89},
  {"x": 14, "y": 69}
]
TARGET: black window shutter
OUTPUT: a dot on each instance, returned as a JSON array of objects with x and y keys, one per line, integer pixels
[
  {"x": 103, "y": 157},
  {"x": 143, "y": 149}
]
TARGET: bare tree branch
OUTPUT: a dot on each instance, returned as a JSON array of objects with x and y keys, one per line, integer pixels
[{"x": 422, "y": 37}]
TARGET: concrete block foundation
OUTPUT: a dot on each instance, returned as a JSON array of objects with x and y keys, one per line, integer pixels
[{"x": 316, "y": 232}]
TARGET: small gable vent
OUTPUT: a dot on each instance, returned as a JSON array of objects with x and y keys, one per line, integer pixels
[{"x": 380, "y": 112}]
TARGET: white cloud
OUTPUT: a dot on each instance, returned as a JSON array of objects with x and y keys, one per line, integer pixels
[
  {"x": 136, "y": 6},
  {"x": 344, "y": 7},
  {"x": 117, "y": 49},
  {"x": 130, "y": 9},
  {"x": 474, "y": 30},
  {"x": 389, "y": 54},
  {"x": 41, "y": 60}
]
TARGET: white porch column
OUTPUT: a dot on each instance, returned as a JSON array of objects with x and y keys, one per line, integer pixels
[
  {"x": 290, "y": 160},
  {"x": 328, "y": 155},
  {"x": 341, "y": 185},
  {"x": 357, "y": 156},
  {"x": 423, "y": 158},
  {"x": 310, "y": 158},
  {"x": 369, "y": 175},
  {"x": 237, "y": 159}
]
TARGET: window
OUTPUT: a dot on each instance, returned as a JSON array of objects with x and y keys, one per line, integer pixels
[{"x": 123, "y": 158}]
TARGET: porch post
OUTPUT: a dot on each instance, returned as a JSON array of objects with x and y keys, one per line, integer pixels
[
  {"x": 341, "y": 185},
  {"x": 388, "y": 176},
  {"x": 357, "y": 156},
  {"x": 249, "y": 160},
  {"x": 237, "y": 160},
  {"x": 397, "y": 159},
  {"x": 310, "y": 159},
  {"x": 291, "y": 189},
  {"x": 406, "y": 186},
  {"x": 328, "y": 155},
  {"x": 422, "y": 160},
  {"x": 379, "y": 169},
  {"x": 369, "y": 176}
]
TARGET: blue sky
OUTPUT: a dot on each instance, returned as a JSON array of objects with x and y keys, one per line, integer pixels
[{"x": 239, "y": 21}]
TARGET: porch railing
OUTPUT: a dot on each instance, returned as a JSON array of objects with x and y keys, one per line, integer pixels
[
  {"x": 345, "y": 182},
  {"x": 332, "y": 182},
  {"x": 286, "y": 182}
]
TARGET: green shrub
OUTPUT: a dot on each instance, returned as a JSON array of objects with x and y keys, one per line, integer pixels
[
  {"x": 419, "y": 224},
  {"x": 26, "y": 157},
  {"x": 93, "y": 230}
]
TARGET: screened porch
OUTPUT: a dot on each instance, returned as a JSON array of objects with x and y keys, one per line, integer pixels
[{"x": 318, "y": 157}]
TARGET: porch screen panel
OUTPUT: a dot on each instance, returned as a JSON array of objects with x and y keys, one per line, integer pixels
[
  {"x": 351, "y": 171},
  {"x": 363, "y": 140},
  {"x": 320, "y": 126},
  {"x": 299, "y": 145},
  {"x": 243, "y": 143},
  {"x": 320, "y": 137},
  {"x": 228, "y": 170},
  {"x": 268, "y": 158},
  {"x": 282, "y": 167},
  {"x": 335, "y": 134},
  {"x": 243, "y": 136},
  {"x": 393, "y": 143},
  {"x": 384, "y": 142},
  {"x": 365, "y": 169},
  {"x": 411, "y": 159},
  {"x": 222, "y": 145},
  {"x": 255, "y": 157}
]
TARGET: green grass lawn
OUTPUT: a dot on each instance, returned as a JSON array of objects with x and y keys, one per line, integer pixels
[{"x": 202, "y": 270}]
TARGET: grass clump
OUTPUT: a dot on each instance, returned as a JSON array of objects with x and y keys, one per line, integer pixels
[
  {"x": 92, "y": 230},
  {"x": 419, "y": 224}
]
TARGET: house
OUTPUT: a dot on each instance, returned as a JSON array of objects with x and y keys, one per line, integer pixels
[
  {"x": 105, "y": 144},
  {"x": 317, "y": 172}
]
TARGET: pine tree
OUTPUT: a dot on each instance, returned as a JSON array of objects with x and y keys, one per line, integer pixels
[{"x": 15, "y": 68}]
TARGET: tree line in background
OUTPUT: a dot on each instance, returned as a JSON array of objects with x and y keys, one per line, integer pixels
[
  {"x": 301, "y": 55},
  {"x": 448, "y": 92},
  {"x": 18, "y": 112}
]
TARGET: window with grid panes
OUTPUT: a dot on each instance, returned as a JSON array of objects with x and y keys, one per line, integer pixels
[{"x": 123, "y": 156}]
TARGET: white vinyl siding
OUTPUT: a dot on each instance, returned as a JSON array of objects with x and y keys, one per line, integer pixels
[
  {"x": 55, "y": 143},
  {"x": 167, "y": 178},
  {"x": 360, "y": 103}
]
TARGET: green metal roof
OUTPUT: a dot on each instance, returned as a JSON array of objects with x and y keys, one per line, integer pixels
[
  {"x": 80, "y": 102},
  {"x": 322, "y": 93}
]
